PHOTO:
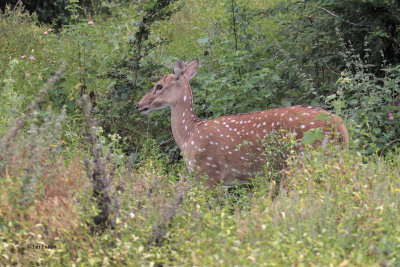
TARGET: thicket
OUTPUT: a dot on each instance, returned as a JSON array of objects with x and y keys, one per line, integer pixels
[{"x": 81, "y": 171}]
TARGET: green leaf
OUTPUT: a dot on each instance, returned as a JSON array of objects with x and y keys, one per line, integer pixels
[
  {"x": 321, "y": 116},
  {"x": 311, "y": 136},
  {"x": 330, "y": 97}
]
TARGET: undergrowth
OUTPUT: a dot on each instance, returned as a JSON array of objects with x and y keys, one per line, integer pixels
[{"x": 69, "y": 195}]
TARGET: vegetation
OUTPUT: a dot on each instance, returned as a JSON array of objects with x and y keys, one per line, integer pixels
[{"x": 87, "y": 181}]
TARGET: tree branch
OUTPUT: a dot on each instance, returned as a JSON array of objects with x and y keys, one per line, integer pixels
[{"x": 334, "y": 15}]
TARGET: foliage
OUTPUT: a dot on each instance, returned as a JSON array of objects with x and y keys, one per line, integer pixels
[
  {"x": 132, "y": 74},
  {"x": 58, "y": 12},
  {"x": 367, "y": 102},
  {"x": 24, "y": 64},
  {"x": 336, "y": 207},
  {"x": 307, "y": 30},
  {"x": 326, "y": 207}
]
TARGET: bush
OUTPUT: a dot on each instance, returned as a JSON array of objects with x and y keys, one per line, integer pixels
[{"x": 367, "y": 101}]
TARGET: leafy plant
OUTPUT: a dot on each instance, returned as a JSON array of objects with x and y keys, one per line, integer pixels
[{"x": 367, "y": 101}]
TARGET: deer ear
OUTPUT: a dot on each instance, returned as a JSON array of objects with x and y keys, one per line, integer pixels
[
  {"x": 179, "y": 68},
  {"x": 192, "y": 68}
]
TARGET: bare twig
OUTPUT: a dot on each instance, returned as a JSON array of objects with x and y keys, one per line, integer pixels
[
  {"x": 169, "y": 212},
  {"x": 336, "y": 16},
  {"x": 16, "y": 5},
  {"x": 392, "y": 142}
]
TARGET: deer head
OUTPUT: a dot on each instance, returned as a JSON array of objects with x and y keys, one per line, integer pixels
[{"x": 168, "y": 92}]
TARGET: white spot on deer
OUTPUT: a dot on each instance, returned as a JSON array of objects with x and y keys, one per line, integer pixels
[
  {"x": 192, "y": 142},
  {"x": 235, "y": 129},
  {"x": 226, "y": 165},
  {"x": 275, "y": 114},
  {"x": 226, "y": 147},
  {"x": 233, "y": 120},
  {"x": 259, "y": 125},
  {"x": 228, "y": 136},
  {"x": 264, "y": 123},
  {"x": 208, "y": 163},
  {"x": 242, "y": 158},
  {"x": 259, "y": 149},
  {"x": 295, "y": 133},
  {"x": 207, "y": 136},
  {"x": 221, "y": 135},
  {"x": 186, "y": 127},
  {"x": 254, "y": 124},
  {"x": 214, "y": 165},
  {"x": 201, "y": 137},
  {"x": 184, "y": 99},
  {"x": 183, "y": 121},
  {"x": 211, "y": 142},
  {"x": 217, "y": 172},
  {"x": 233, "y": 140},
  {"x": 282, "y": 114},
  {"x": 273, "y": 124},
  {"x": 290, "y": 119},
  {"x": 312, "y": 123},
  {"x": 230, "y": 152},
  {"x": 303, "y": 126},
  {"x": 252, "y": 132},
  {"x": 278, "y": 123}
]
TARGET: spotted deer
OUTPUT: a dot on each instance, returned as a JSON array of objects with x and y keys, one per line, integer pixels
[{"x": 210, "y": 146}]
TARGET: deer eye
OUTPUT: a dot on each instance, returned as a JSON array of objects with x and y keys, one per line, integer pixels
[{"x": 158, "y": 87}]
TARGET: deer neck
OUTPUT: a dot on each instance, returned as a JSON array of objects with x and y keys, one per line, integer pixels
[{"x": 183, "y": 118}]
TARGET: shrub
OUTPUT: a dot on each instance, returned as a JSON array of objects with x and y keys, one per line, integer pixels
[{"x": 367, "y": 101}]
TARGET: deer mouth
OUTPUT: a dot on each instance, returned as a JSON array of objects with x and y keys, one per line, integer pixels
[{"x": 143, "y": 110}]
